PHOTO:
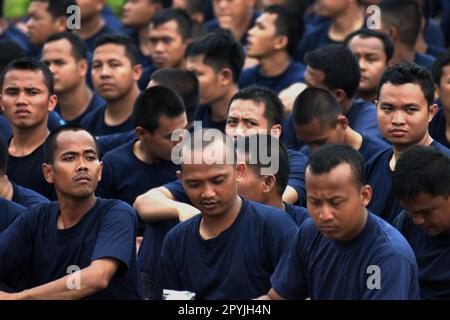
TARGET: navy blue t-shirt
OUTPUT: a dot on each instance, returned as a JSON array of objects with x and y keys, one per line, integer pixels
[
  {"x": 5, "y": 129},
  {"x": 95, "y": 123},
  {"x": 362, "y": 118},
  {"x": 432, "y": 255},
  {"x": 438, "y": 128},
  {"x": 125, "y": 177},
  {"x": 379, "y": 175},
  {"x": 236, "y": 264},
  {"x": 27, "y": 172},
  {"x": 96, "y": 103},
  {"x": 112, "y": 141},
  {"x": 204, "y": 115},
  {"x": 108, "y": 230},
  {"x": 323, "y": 268},
  {"x": 434, "y": 35},
  {"x": 294, "y": 73},
  {"x": 26, "y": 197},
  {"x": 54, "y": 121},
  {"x": 298, "y": 214},
  {"x": 9, "y": 211},
  {"x": 424, "y": 60},
  {"x": 17, "y": 36},
  {"x": 369, "y": 147}
]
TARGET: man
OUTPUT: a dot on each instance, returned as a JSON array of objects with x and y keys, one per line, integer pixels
[
  {"x": 93, "y": 24},
  {"x": 373, "y": 50},
  {"x": 404, "y": 109},
  {"x": 170, "y": 32},
  {"x": 440, "y": 125},
  {"x": 46, "y": 17},
  {"x": 65, "y": 55},
  {"x": 272, "y": 41},
  {"x": 115, "y": 72},
  {"x": 266, "y": 187},
  {"x": 421, "y": 180},
  {"x": 344, "y": 251},
  {"x": 344, "y": 17},
  {"x": 238, "y": 16},
  {"x": 27, "y": 97},
  {"x": 230, "y": 250},
  {"x": 401, "y": 20},
  {"x": 79, "y": 232},
  {"x": 336, "y": 69},
  {"x": 13, "y": 192},
  {"x": 318, "y": 120},
  {"x": 217, "y": 60}
]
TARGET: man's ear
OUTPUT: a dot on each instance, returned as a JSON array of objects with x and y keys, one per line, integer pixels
[
  {"x": 269, "y": 183},
  {"x": 179, "y": 174},
  {"x": 276, "y": 131},
  {"x": 342, "y": 121},
  {"x": 83, "y": 67},
  {"x": 225, "y": 76},
  {"x": 433, "y": 110},
  {"x": 281, "y": 42},
  {"x": 48, "y": 172},
  {"x": 240, "y": 170},
  {"x": 137, "y": 71},
  {"x": 52, "y": 100},
  {"x": 366, "y": 194},
  {"x": 100, "y": 172},
  {"x": 140, "y": 133},
  {"x": 340, "y": 95}
]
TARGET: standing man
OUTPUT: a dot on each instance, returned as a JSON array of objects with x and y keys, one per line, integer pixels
[
  {"x": 79, "y": 232},
  {"x": 344, "y": 251}
]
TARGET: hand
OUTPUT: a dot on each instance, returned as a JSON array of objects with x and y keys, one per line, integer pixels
[{"x": 288, "y": 96}]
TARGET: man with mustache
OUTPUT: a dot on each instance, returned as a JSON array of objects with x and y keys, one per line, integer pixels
[{"x": 80, "y": 232}]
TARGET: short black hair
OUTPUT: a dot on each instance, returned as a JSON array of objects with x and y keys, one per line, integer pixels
[
  {"x": 340, "y": 66},
  {"x": 50, "y": 144},
  {"x": 119, "y": 39},
  {"x": 316, "y": 103},
  {"x": 369, "y": 33},
  {"x": 421, "y": 169},
  {"x": 180, "y": 16},
  {"x": 436, "y": 70},
  {"x": 58, "y": 8},
  {"x": 328, "y": 157},
  {"x": 273, "y": 107},
  {"x": 164, "y": 3},
  {"x": 287, "y": 23},
  {"x": 78, "y": 50},
  {"x": 30, "y": 64},
  {"x": 10, "y": 51},
  {"x": 185, "y": 83},
  {"x": 194, "y": 6},
  {"x": 154, "y": 102},
  {"x": 256, "y": 158},
  {"x": 405, "y": 16},
  {"x": 220, "y": 50},
  {"x": 3, "y": 157},
  {"x": 409, "y": 72}
]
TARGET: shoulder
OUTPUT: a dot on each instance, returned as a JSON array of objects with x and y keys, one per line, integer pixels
[
  {"x": 121, "y": 153},
  {"x": 110, "y": 207},
  {"x": 261, "y": 213}
]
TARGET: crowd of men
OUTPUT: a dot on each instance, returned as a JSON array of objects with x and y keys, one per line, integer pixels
[{"x": 226, "y": 149}]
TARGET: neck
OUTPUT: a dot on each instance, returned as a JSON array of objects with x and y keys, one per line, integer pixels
[
  {"x": 403, "y": 53},
  {"x": 73, "y": 210},
  {"x": 142, "y": 154},
  {"x": 421, "y": 45},
  {"x": 73, "y": 104},
  {"x": 219, "y": 108},
  {"x": 346, "y": 105},
  {"x": 368, "y": 95},
  {"x": 274, "y": 64},
  {"x": 275, "y": 201},
  {"x": 211, "y": 227},
  {"x": 90, "y": 27},
  {"x": 240, "y": 29},
  {"x": 346, "y": 23},
  {"x": 398, "y": 149},
  {"x": 143, "y": 40},
  {"x": 119, "y": 110},
  {"x": 353, "y": 138},
  {"x": 25, "y": 141},
  {"x": 6, "y": 188}
]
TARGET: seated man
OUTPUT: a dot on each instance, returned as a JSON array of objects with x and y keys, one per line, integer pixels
[
  {"x": 422, "y": 182},
  {"x": 344, "y": 251},
  {"x": 94, "y": 237},
  {"x": 318, "y": 120},
  {"x": 230, "y": 250}
]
